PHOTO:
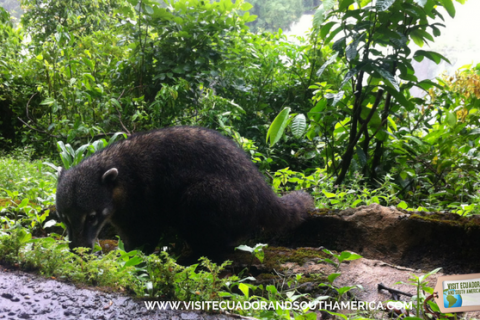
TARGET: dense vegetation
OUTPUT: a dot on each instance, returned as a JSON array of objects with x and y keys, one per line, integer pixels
[
  {"x": 331, "y": 113},
  {"x": 75, "y": 73}
]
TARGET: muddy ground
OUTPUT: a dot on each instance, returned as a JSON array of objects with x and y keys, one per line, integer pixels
[
  {"x": 26, "y": 296},
  {"x": 395, "y": 244}
]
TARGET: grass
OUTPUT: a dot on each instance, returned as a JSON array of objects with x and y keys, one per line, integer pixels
[{"x": 25, "y": 178}]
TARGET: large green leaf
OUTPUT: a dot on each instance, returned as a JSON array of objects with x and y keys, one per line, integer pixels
[
  {"x": 299, "y": 125},
  {"x": 326, "y": 29},
  {"x": 434, "y": 56},
  {"x": 48, "y": 101},
  {"x": 448, "y": 5},
  {"x": 400, "y": 98},
  {"x": 383, "y": 5},
  {"x": 421, "y": 3},
  {"x": 277, "y": 127},
  {"x": 246, "y": 6},
  {"x": 361, "y": 156},
  {"x": 348, "y": 76},
  {"x": 316, "y": 111},
  {"x": 326, "y": 64},
  {"x": 344, "y": 4},
  {"x": 451, "y": 119},
  {"x": 351, "y": 50},
  {"x": 323, "y": 9},
  {"x": 386, "y": 75}
]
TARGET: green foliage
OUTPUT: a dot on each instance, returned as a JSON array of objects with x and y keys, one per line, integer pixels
[
  {"x": 361, "y": 123},
  {"x": 421, "y": 284},
  {"x": 439, "y": 162},
  {"x": 24, "y": 177},
  {"x": 146, "y": 276},
  {"x": 257, "y": 251},
  {"x": 49, "y": 17},
  {"x": 133, "y": 66},
  {"x": 278, "y": 126},
  {"x": 71, "y": 157},
  {"x": 330, "y": 114},
  {"x": 165, "y": 278}
]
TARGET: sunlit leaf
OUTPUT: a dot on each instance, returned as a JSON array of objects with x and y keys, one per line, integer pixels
[
  {"x": 383, "y": 5},
  {"x": 448, "y": 5},
  {"x": 299, "y": 125},
  {"x": 277, "y": 127}
]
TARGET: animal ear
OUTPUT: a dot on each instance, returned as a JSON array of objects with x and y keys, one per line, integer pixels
[
  {"x": 60, "y": 172},
  {"x": 110, "y": 175}
]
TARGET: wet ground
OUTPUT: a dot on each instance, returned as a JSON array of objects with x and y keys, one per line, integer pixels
[{"x": 27, "y": 296}]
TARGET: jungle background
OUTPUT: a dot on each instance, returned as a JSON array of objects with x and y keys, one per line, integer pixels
[
  {"x": 340, "y": 112},
  {"x": 340, "y": 96}
]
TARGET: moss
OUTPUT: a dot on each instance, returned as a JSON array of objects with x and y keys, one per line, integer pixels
[
  {"x": 276, "y": 256},
  {"x": 267, "y": 276},
  {"x": 321, "y": 212},
  {"x": 314, "y": 277},
  {"x": 473, "y": 223},
  {"x": 449, "y": 219}
]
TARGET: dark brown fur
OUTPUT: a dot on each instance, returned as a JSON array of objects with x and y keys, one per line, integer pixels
[{"x": 192, "y": 179}]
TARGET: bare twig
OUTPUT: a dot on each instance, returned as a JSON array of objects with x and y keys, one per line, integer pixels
[
  {"x": 38, "y": 130},
  {"x": 28, "y": 103}
]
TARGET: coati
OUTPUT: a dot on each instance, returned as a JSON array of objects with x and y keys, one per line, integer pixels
[{"x": 189, "y": 178}]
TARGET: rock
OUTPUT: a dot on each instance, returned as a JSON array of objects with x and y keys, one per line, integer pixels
[{"x": 414, "y": 239}]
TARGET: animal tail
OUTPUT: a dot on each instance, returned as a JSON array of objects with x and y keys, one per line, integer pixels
[{"x": 288, "y": 211}]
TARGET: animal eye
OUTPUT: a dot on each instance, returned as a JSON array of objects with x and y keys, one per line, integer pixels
[{"x": 91, "y": 217}]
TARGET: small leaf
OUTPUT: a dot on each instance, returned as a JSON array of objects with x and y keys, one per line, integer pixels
[
  {"x": 277, "y": 127},
  {"x": 49, "y": 223},
  {"x": 244, "y": 248},
  {"x": 333, "y": 276},
  {"x": 244, "y": 288},
  {"x": 134, "y": 261},
  {"x": 329, "y": 194},
  {"x": 246, "y": 6},
  {"x": 24, "y": 203},
  {"x": 403, "y": 204},
  {"x": 335, "y": 314},
  {"x": 315, "y": 112},
  {"x": 47, "y": 102},
  {"x": 344, "y": 255},
  {"x": 353, "y": 256},
  {"x": 356, "y": 202}
]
